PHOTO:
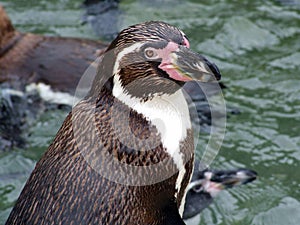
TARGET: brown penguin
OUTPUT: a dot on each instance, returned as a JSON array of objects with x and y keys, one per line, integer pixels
[
  {"x": 30, "y": 58},
  {"x": 125, "y": 153}
]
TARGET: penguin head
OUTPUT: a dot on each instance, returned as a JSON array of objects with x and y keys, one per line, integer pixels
[{"x": 153, "y": 58}]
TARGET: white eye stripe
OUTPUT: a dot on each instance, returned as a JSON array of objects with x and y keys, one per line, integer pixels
[{"x": 133, "y": 48}]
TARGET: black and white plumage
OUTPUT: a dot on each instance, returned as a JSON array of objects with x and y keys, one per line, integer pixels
[
  {"x": 125, "y": 153},
  {"x": 207, "y": 184}
]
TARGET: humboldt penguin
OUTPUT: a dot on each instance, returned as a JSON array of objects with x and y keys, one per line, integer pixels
[
  {"x": 208, "y": 183},
  {"x": 125, "y": 153}
]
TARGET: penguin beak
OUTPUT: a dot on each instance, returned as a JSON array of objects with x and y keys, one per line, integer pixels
[
  {"x": 186, "y": 65},
  {"x": 233, "y": 178}
]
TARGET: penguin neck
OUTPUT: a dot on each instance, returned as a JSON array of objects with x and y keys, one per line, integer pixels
[{"x": 169, "y": 113}]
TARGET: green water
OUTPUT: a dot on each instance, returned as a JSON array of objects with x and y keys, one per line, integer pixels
[{"x": 256, "y": 44}]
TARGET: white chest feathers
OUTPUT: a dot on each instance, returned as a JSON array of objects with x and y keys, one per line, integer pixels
[{"x": 168, "y": 113}]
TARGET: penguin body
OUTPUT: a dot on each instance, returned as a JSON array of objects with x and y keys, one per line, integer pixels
[{"x": 60, "y": 192}]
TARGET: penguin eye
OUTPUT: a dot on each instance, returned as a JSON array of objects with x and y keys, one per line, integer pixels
[{"x": 150, "y": 53}]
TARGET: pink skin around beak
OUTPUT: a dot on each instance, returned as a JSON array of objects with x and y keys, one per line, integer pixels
[
  {"x": 186, "y": 42},
  {"x": 182, "y": 64},
  {"x": 167, "y": 63},
  {"x": 212, "y": 187}
]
